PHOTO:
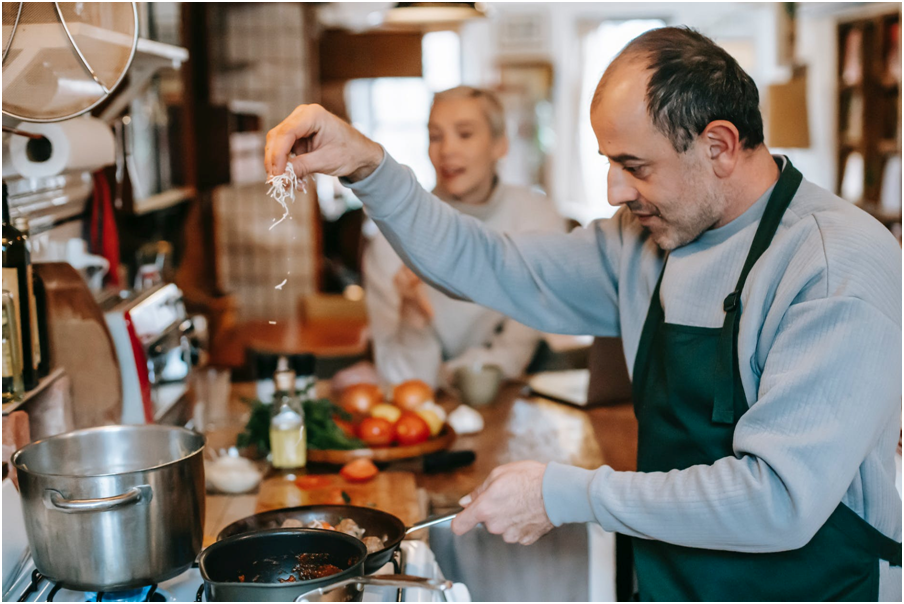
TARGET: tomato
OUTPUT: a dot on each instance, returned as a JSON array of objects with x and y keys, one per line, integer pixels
[
  {"x": 411, "y": 429},
  {"x": 312, "y": 481},
  {"x": 347, "y": 427},
  {"x": 359, "y": 470},
  {"x": 376, "y": 432}
]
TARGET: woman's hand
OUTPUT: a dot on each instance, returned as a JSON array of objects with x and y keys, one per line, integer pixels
[
  {"x": 322, "y": 143},
  {"x": 415, "y": 306}
]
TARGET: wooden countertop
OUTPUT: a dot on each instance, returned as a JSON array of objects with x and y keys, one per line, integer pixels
[{"x": 518, "y": 427}]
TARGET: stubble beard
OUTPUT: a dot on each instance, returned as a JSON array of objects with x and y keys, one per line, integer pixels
[{"x": 689, "y": 218}]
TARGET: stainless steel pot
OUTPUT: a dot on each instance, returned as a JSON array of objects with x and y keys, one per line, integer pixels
[{"x": 113, "y": 507}]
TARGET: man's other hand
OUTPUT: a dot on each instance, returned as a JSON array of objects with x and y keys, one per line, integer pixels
[{"x": 415, "y": 306}]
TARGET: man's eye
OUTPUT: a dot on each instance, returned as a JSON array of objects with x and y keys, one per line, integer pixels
[
  {"x": 630, "y": 169},
  {"x": 435, "y": 138},
  {"x": 466, "y": 134}
]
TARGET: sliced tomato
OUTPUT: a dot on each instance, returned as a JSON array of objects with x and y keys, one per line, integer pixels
[
  {"x": 312, "y": 481},
  {"x": 376, "y": 432},
  {"x": 359, "y": 470}
]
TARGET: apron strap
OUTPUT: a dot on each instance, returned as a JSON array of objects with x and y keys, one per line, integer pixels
[
  {"x": 860, "y": 531},
  {"x": 785, "y": 189},
  {"x": 642, "y": 358}
]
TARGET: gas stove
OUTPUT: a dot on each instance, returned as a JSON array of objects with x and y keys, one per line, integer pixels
[
  {"x": 414, "y": 558},
  {"x": 23, "y": 583}
]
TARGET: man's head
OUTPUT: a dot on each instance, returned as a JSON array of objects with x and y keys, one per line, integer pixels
[
  {"x": 675, "y": 114},
  {"x": 467, "y": 139}
]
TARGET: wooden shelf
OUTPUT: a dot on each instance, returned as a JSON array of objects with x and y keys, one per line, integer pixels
[
  {"x": 889, "y": 84},
  {"x": 872, "y": 106},
  {"x": 32, "y": 394},
  {"x": 889, "y": 146},
  {"x": 164, "y": 200}
]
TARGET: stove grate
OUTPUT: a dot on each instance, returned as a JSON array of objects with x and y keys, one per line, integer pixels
[{"x": 36, "y": 579}]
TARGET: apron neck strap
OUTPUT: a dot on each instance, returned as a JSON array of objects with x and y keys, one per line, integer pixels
[{"x": 788, "y": 182}]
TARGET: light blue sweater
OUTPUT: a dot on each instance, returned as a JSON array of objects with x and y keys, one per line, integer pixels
[{"x": 819, "y": 350}]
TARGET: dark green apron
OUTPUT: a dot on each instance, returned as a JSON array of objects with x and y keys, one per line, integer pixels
[{"x": 688, "y": 397}]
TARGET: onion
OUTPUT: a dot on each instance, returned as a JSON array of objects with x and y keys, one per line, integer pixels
[
  {"x": 359, "y": 398},
  {"x": 412, "y": 394}
]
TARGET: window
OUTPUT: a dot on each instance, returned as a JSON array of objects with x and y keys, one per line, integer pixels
[
  {"x": 598, "y": 48},
  {"x": 394, "y": 111}
]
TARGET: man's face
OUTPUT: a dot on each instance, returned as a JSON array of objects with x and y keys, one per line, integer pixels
[
  {"x": 462, "y": 148},
  {"x": 674, "y": 195}
]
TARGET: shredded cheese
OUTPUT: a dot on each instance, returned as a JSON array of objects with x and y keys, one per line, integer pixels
[
  {"x": 284, "y": 281},
  {"x": 283, "y": 187}
]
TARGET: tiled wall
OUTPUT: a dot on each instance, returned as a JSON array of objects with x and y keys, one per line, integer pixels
[{"x": 258, "y": 54}]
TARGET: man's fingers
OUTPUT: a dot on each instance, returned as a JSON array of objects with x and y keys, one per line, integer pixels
[
  {"x": 308, "y": 163},
  {"x": 465, "y": 521},
  {"x": 300, "y": 125}
]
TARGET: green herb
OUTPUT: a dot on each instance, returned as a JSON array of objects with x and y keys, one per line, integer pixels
[
  {"x": 323, "y": 433},
  {"x": 346, "y": 498},
  {"x": 257, "y": 430}
]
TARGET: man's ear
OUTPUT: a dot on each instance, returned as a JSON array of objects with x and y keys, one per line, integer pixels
[{"x": 722, "y": 146}]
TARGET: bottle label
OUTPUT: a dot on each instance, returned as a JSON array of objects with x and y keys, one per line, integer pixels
[
  {"x": 7, "y": 349},
  {"x": 33, "y": 307},
  {"x": 11, "y": 284}
]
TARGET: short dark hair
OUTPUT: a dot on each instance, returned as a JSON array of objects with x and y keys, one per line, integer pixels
[{"x": 693, "y": 82}]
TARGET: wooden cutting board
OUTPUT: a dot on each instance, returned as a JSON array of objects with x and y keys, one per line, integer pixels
[{"x": 391, "y": 492}]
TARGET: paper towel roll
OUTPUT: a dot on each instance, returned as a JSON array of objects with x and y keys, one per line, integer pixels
[{"x": 82, "y": 143}]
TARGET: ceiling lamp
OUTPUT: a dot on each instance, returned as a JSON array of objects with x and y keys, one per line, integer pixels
[{"x": 414, "y": 14}]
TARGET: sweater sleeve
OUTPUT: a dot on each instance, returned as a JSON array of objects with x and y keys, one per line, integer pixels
[
  {"x": 797, "y": 450},
  {"x": 549, "y": 281}
]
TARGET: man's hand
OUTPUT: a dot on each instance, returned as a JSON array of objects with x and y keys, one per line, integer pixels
[
  {"x": 415, "y": 306},
  {"x": 508, "y": 503},
  {"x": 322, "y": 143}
]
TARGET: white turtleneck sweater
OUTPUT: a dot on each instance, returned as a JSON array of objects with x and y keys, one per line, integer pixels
[{"x": 461, "y": 333}]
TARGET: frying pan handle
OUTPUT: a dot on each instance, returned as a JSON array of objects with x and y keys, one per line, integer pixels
[
  {"x": 379, "y": 581},
  {"x": 432, "y": 521}
]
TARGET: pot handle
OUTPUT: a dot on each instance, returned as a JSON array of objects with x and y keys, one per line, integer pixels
[
  {"x": 400, "y": 581},
  {"x": 54, "y": 500},
  {"x": 431, "y": 521}
]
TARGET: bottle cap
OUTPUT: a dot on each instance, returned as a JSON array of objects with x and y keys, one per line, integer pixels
[{"x": 284, "y": 380}]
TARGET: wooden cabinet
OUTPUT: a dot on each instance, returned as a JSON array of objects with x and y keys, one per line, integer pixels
[{"x": 869, "y": 115}]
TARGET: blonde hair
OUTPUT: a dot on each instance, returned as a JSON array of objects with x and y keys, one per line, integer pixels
[{"x": 492, "y": 106}]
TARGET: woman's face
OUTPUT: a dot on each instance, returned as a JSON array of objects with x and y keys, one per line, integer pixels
[{"x": 462, "y": 149}]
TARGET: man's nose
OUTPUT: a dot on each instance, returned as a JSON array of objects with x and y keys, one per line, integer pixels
[{"x": 620, "y": 190}]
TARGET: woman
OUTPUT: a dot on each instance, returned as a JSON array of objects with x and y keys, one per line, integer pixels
[{"x": 419, "y": 332}]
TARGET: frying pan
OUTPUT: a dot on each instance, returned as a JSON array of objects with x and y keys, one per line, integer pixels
[
  {"x": 375, "y": 523},
  {"x": 248, "y": 567}
]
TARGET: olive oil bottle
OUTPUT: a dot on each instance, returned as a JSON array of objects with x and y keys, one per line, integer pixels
[{"x": 17, "y": 280}]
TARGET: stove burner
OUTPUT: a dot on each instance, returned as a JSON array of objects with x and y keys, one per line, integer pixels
[
  {"x": 36, "y": 579},
  {"x": 143, "y": 594}
]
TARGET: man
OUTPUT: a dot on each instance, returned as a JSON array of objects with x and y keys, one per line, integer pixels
[
  {"x": 760, "y": 314},
  {"x": 419, "y": 332}
]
